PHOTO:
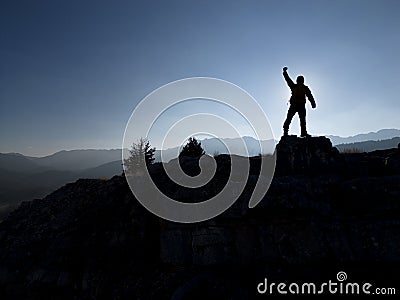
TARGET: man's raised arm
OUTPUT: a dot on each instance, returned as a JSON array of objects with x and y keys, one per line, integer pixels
[{"x": 289, "y": 81}]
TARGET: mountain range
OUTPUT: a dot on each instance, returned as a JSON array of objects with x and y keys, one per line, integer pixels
[
  {"x": 368, "y": 146},
  {"x": 25, "y": 177},
  {"x": 382, "y": 139},
  {"x": 214, "y": 146},
  {"x": 382, "y": 134}
]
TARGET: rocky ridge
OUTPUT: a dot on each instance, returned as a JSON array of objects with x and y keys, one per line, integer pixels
[{"x": 324, "y": 212}]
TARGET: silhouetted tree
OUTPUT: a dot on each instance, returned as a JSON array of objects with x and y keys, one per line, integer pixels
[
  {"x": 192, "y": 148},
  {"x": 139, "y": 151}
]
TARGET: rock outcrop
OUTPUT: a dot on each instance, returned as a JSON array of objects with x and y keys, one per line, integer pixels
[
  {"x": 311, "y": 155},
  {"x": 324, "y": 212}
]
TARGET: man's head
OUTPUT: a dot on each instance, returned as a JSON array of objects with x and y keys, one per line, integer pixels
[{"x": 300, "y": 79}]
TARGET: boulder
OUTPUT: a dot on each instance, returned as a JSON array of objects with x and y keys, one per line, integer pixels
[{"x": 310, "y": 155}]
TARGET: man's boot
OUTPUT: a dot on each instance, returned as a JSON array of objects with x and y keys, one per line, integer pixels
[{"x": 305, "y": 134}]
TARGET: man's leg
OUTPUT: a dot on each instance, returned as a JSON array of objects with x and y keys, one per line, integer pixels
[
  {"x": 291, "y": 112},
  {"x": 302, "y": 116}
]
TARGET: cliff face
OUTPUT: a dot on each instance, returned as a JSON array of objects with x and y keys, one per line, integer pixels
[{"x": 324, "y": 212}]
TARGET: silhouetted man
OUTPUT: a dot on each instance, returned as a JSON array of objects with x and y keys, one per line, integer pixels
[{"x": 297, "y": 102}]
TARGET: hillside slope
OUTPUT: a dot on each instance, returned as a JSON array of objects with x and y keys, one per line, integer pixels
[{"x": 369, "y": 146}]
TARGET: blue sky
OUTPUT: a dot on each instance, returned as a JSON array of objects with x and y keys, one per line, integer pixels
[{"x": 71, "y": 72}]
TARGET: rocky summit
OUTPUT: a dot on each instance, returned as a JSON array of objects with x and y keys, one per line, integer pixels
[{"x": 325, "y": 212}]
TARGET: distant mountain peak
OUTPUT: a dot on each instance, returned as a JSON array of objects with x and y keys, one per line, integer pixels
[{"x": 382, "y": 134}]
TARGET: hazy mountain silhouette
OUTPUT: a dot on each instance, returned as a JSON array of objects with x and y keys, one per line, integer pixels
[
  {"x": 382, "y": 134},
  {"x": 216, "y": 146},
  {"x": 106, "y": 170},
  {"x": 25, "y": 184},
  {"x": 73, "y": 160},
  {"x": 16, "y": 162},
  {"x": 369, "y": 146}
]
